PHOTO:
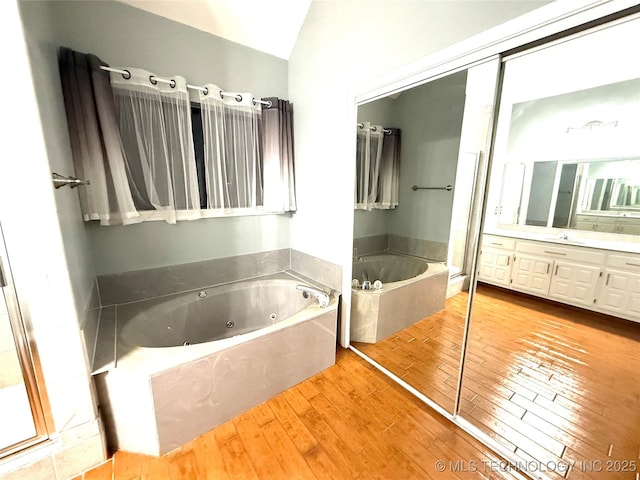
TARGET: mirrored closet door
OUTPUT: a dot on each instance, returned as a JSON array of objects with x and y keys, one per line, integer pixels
[
  {"x": 420, "y": 158},
  {"x": 551, "y": 367}
]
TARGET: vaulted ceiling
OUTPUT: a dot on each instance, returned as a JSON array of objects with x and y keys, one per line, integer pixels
[{"x": 270, "y": 26}]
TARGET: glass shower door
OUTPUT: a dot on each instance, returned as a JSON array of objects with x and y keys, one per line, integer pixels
[
  {"x": 15, "y": 410},
  {"x": 21, "y": 414}
]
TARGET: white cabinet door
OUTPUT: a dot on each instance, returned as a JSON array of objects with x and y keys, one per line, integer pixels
[
  {"x": 574, "y": 283},
  {"x": 495, "y": 266},
  {"x": 531, "y": 274},
  {"x": 621, "y": 293}
]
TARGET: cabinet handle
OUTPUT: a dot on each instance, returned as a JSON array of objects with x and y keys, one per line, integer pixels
[
  {"x": 496, "y": 243},
  {"x": 554, "y": 253},
  {"x": 556, "y": 272},
  {"x": 508, "y": 258},
  {"x": 632, "y": 264},
  {"x": 548, "y": 267},
  {"x": 607, "y": 282},
  {"x": 3, "y": 280}
]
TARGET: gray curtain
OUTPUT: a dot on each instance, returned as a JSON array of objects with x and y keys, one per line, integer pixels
[
  {"x": 389, "y": 179},
  {"x": 97, "y": 150},
  {"x": 277, "y": 156}
]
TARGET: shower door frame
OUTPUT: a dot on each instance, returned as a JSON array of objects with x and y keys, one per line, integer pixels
[{"x": 27, "y": 357}]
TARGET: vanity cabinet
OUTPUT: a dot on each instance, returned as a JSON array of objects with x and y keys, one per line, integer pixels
[
  {"x": 496, "y": 260},
  {"x": 608, "y": 224},
  {"x": 531, "y": 274},
  {"x": 574, "y": 283},
  {"x": 620, "y": 293},
  {"x": 608, "y": 282},
  {"x": 566, "y": 274}
]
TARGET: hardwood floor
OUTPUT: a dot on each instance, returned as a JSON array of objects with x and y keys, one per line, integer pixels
[
  {"x": 426, "y": 354},
  {"x": 553, "y": 383},
  {"x": 548, "y": 382},
  {"x": 348, "y": 422}
]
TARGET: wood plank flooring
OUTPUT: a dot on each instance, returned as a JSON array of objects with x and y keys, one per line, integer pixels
[
  {"x": 348, "y": 422},
  {"x": 426, "y": 354},
  {"x": 550, "y": 383}
]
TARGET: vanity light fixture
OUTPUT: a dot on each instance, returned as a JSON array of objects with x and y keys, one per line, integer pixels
[{"x": 593, "y": 124}]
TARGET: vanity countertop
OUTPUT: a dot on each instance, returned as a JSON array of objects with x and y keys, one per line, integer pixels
[{"x": 572, "y": 238}]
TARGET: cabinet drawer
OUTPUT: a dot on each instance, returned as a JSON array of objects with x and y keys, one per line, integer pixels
[
  {"x": 498, "y": 242},
  {"x": 561, "y": 252},
  {"x": 627, "y": 262}
]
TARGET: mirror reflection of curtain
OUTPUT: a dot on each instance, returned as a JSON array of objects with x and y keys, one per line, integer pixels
[
  {"x": 377, "y": 167},
  {"x": 155, "y": 126},
  {"x": 389, "y": 180}
]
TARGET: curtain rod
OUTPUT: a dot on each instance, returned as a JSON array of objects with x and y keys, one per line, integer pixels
[
  {"x": 384, "y": 130},
  {"x": 126, "y": 74}
]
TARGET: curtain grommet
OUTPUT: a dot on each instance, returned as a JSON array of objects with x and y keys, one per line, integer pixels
[
  {"x": 152, "y": 80},
  {"x": 205, "y": 91},
  {"x": 126, "y": 75},
  {"x": 172, "y": 83},
  {"x": 221, "y": 95},
  {"x": 238, "y": 98}
]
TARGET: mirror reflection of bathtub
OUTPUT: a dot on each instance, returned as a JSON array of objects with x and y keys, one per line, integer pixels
[{"x": 412, "y": 288}]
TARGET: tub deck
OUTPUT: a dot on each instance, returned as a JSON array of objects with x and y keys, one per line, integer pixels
[
  {"x": 376, "y": 314},
  {"x": 156, "y": 399}
]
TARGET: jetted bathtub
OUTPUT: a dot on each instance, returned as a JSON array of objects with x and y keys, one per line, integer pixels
[
  {"x": 412, "y": 289},
  {"x": 188, "y": 362}
]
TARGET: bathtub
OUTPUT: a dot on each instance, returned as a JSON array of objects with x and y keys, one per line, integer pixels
[
  {"x": 412, "y": 289},
  {"x": 188, "y": 362}
]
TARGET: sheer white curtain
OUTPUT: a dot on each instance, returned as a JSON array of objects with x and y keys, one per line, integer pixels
[
  {"x": 231, "y": 150},
  {"x": 155, "y": 127},
  {"x": 368, "y": 156}
]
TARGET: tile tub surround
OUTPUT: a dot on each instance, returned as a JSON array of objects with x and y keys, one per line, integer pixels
[
  {"x": 156, "y": 400},
  {"x": 377, "y": 314},
  {"x": 370, "y": 244},
  {"x": 137, "y": 285},
  {"x": 154, "y": 282},
  {"x": 435, "y": 251},
  {"x": 147, "y": 405}
]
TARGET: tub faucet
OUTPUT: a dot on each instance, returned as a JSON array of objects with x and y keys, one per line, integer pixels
[{"x": 323, "y": 298}]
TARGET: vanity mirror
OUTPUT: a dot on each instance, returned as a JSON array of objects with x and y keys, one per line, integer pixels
[{"x": 567, "y": 154}]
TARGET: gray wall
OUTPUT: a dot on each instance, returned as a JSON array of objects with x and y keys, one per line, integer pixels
[
  {"x": 430, "y": 117},
  {"x": 43, "y": 54},
  {"x": 124, "y": 36}
]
